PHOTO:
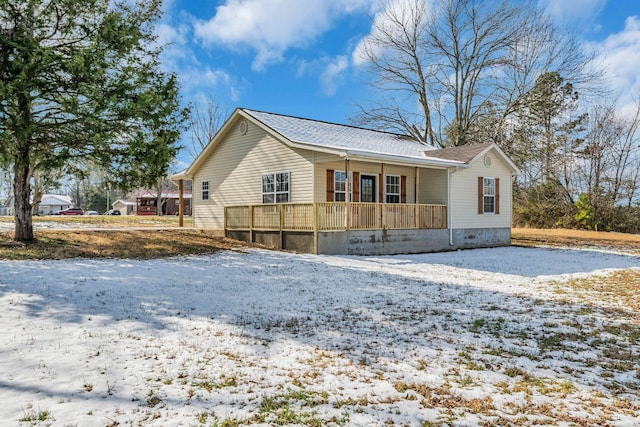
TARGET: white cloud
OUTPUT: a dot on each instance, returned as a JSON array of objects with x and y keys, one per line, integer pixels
[
  {"x": 211, "y": 81},
  {"x": 271, "y": 27},
  {"x": 572, "y": 10},
  {"x": 332, "y": 74},
  {"x": 620, "y": 54},
  {"x": 171, "y": 35}
]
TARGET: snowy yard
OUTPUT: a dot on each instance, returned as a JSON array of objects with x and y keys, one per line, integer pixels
[{"x": 494, "y": 336}]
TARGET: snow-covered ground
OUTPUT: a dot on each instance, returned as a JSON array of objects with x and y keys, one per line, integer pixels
[{"x": 461, "y": 338}]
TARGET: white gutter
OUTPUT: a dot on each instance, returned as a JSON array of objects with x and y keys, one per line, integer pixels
[
  {"x": 403, "y": 160},
  {"x": 378, "y": 157},
  {"x": 450, "y": 173}
]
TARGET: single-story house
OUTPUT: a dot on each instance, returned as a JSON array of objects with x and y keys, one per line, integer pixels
[
  {"x": 126, "y": 207},
  {"x": 147, "y": 203},
  {"x": 321, "y": 187},
  {"x": 52, "y": 203}
]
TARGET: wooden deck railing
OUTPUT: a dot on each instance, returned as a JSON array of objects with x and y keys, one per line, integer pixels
[{"x": 334, "y": 216}]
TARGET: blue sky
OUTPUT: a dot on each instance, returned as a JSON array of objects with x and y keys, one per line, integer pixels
[{"x": 300, "y": 57}]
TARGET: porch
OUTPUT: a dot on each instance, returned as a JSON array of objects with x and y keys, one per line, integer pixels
[{"x": 327, "y": 227}]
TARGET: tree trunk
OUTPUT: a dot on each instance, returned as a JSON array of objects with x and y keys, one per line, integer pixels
[{"x": 22, "y": 191}]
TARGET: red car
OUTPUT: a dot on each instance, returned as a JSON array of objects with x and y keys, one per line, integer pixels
[{"x": 71, "y": 211}]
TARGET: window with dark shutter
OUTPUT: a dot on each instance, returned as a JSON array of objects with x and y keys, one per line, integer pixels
[
  {"x": 486, "y": 195},
  {"x": 392, "y": 189}
]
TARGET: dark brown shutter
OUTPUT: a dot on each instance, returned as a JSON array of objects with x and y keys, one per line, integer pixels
[
  {"x": 381, "y": 188},
  {"x": 356, "y": 186},
  {"x": 497, "y": 196},
  {"x": 330, "y": 184},
  {"x": 403, "y": 189},
  {"x": 480, "y": 195}
]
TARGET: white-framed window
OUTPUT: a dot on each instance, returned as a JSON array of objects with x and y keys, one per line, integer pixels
[
  {"x": 276, "y": 187},
  {"x": 340, "y": 186},
  {"x": 205, "y": 190},
  {"x": 392, "y": 189},
  {"x": 489, "y": 195}
]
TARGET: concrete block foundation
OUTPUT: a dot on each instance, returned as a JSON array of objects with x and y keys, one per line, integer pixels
[{"x": 380, "y": 242}]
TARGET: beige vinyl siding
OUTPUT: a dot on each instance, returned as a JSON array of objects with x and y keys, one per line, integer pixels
[
  {"x": 433, "y": 186},
  {"x": 325, "y": 162},
  {"x": 465, "y": 194},
  {"x": 235, "y": 168}
]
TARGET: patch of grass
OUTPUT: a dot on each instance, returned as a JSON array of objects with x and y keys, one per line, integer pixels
[
  {"x": 288, "y": 408},
  {"x": 224, "y": 382},
  {"x": 110, "y": 221},
  {"x": 36, "y": 416},
  {"x": 132, "y": 244},
  {"x": 575, "y": 238},
  {"x": 618, "y": 288}
]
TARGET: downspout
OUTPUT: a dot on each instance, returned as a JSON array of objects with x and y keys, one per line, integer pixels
[{"x": 450, "y": 173}]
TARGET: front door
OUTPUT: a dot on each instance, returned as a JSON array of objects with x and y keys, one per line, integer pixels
[{"x": 367, "y": 188}]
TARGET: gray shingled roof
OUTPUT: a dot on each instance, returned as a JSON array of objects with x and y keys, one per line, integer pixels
[
  {"x": 342, "y": 137},
  {"x": 463, "y": 153},
  {"x": 354, "y": 139}
]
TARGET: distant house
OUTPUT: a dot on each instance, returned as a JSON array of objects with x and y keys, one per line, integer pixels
[
  {"x": 320, "y": 187},
  {"x": 126, "y": 207},
  {"x": 52, "y": 203},
  {"x": 147, "y": 201}
]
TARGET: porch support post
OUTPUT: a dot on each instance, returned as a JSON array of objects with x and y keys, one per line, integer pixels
[
  {"x": 450, "y": 173},
  {"x": 417, "y": 185},
  {"x": 315, "y": 228},
  {"x": 347, "y": 183},
  {"x": 281, "y": 226},
  {"x": 383, "y": 217},
  {"x": 181, "y": 203},
  {"x": 250, "y": 220},
  {"x": 226, "y": 222}
]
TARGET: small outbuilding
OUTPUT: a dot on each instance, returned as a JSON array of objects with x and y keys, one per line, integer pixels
[
  {"x": 52, "y": 203},
  {"x": 319, "y": 187},
  {"x": 125, "y": 207}
]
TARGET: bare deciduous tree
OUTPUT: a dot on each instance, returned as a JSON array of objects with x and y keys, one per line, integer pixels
[
  {"x": 204, "y": 123},
  {"x": 451, "y": 69}
]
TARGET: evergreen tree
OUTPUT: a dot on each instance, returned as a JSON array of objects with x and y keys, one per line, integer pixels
[{"x": 81, "y": 79}]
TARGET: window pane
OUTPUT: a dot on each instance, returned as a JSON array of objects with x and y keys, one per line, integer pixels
[
  {"x": 282, "y": 182},
  {"x": 393, "y": 198},
  {"x": 489, "y": 204},
  {"x": 489, "y": 187},
  {"x": 267, "y": 183},
  {"x": 282, "y": 198},
  {"x": 339, "y": 197},
  {"x": 267, "y": 198}
]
